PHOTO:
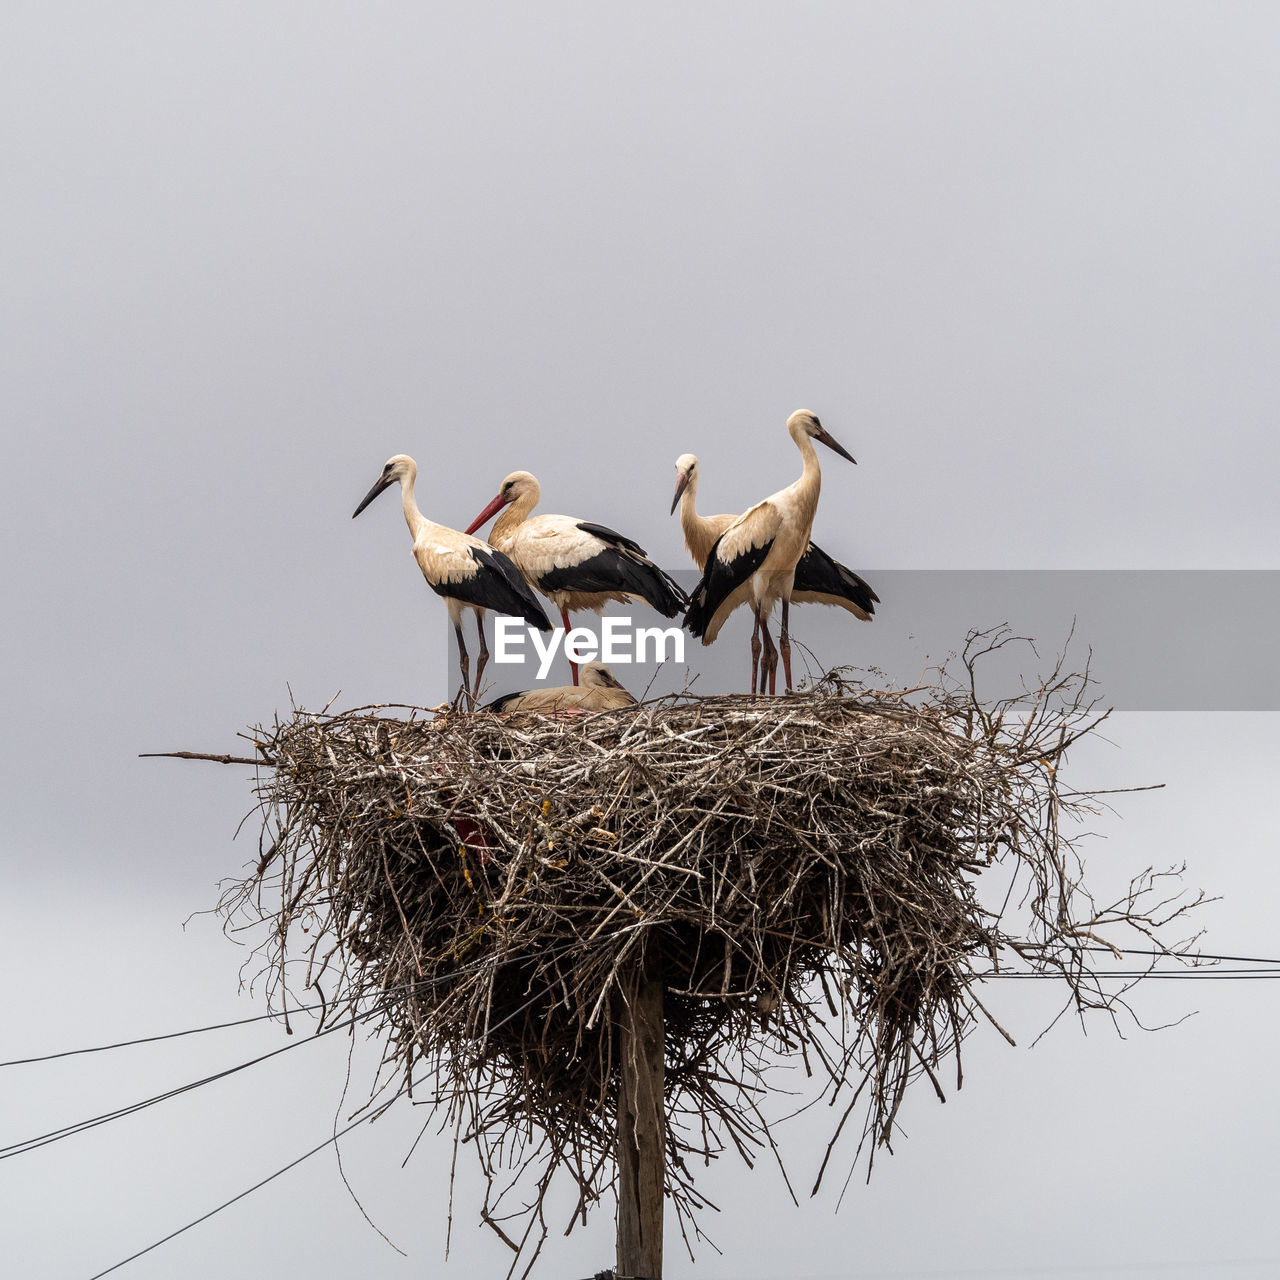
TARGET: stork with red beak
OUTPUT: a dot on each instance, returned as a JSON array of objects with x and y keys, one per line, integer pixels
[
  {"x": 574, "y": 563},
  {"x": 818, "y": 580},
  {"x": 759, "y": 550},
  {"x": 468, "y": 573}
]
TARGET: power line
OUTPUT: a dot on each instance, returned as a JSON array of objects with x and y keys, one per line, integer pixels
[
  {"x": 83, "y": 1126},
  {"x": 1242, "y": 974},
  {"x": 293, "y": 1164},
  {"x": 168, "y": 1035},
  {"x": 226, "y": 1204},
  {"x": 311, "y": 1008},
  {"x": 1223, "y": 975},
  {"x": 1247, "y": 968},
  {"x": 1198, "y": 955}
]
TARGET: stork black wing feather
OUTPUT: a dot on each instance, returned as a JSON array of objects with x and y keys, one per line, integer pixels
[
  {"x": 499, "y": 587},
  {"x": 612, "y": 537},
  {"x": 621, "y": 569},
  {"x": 502, "y": 703},
  {"x": 819, "y": 573},
  {"x": 720, "y": 579}
]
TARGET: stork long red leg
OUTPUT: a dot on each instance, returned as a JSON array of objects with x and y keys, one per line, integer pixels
[
  {"x": 755, "y": 651},
  {"x": 464, "y": 663},
  {"x": 483, "y": 657},
  {"x": 769, "y": 662},
  {"x": 784, "y": 642},
  {"x": 573, "y": 666}
]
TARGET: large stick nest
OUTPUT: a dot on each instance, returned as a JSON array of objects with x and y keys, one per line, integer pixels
[{"x": 802, "y": 872}]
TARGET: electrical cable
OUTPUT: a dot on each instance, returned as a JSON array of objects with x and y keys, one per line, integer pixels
[
  {"x": 311, "y": 1008},
  {"x": 1224, "y": 975},
  {"x": 4, "y": 1152},
  {"x": 226, "y": 1204},
  {"x": 168, "y": 1035},
  {"x": 81, "y": 1126},
  {"x": 314, "y": 1150}
]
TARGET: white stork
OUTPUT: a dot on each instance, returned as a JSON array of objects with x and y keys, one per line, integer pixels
[
  {"x": 599, "y": 691},
  {"x": 468, "y": 573},
  {"x": 762, "y": 548},
  {"x": 574, "y": 563},
  {"x": 819, "y": 579}
]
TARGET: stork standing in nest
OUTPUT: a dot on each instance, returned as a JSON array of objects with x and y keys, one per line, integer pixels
[
  {"x": 818, "y": 578},
  {"x": 760, "y": 550},
  {"x": 599, "y": 690},
  {"x": 467, "y": 572},
  {"x": 574, "y": 563}
]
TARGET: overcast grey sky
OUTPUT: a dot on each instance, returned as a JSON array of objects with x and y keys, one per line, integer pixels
[{"x": 1023, "y": 261}]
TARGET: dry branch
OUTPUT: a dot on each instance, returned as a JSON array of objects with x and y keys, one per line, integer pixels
[{"x": 803, "y": 871}]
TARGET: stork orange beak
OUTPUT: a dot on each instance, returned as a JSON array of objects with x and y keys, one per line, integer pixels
[
  {"x": 487, "y": 514},
  {"x": 681, "y": 485},
  {"x": 832, "y": 443},
  {"x": 383, "y": 482}
]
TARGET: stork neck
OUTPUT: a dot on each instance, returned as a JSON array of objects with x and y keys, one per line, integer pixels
[
  {"x": 810, "y": 481},
  {"x": 412, "y": 516},
  {"x": 699, "y": 537}
]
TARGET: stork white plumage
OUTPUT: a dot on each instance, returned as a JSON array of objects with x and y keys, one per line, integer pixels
[
  {"x": 599, "y": 690},
  {"x": 761, "y": 548},
  {"x": 574, "y": 563},
  {"x": 467, "y": 572},
  {"x": 819, "y": 579}
]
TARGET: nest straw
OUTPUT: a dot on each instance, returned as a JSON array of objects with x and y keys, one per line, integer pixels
[{"x": 804, "y": 872}]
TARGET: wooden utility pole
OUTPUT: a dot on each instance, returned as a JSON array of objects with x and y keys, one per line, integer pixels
[{"x": 641, "y": 1130}]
